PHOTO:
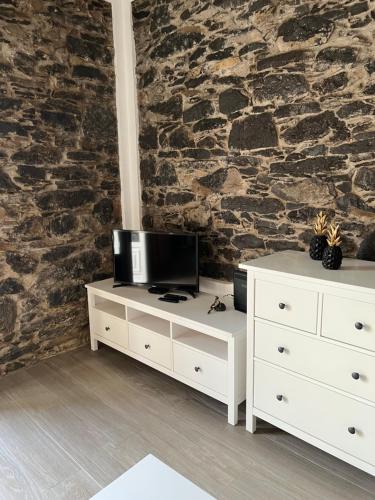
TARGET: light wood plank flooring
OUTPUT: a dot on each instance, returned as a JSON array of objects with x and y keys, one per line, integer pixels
[{"x": 72, "y": 424}]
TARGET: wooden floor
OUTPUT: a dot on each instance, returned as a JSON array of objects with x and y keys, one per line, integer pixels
[{"x": 74, "y": 423}]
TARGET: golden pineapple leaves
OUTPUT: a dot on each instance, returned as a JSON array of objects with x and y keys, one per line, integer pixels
[{"x": 333, "y": 236}]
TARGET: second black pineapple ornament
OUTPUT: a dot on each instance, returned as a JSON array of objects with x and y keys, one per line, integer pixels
[
  {"x": 332, "y": 255},
  {"x": 319, "y": 241}
]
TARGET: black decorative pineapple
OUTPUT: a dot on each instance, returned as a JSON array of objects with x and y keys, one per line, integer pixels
[
  {"x": 319, "y": 241},
  {"x": 332, "y": 255}
]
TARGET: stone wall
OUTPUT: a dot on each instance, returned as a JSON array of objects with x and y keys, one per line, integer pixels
[
  {"x": 59, "y": 185},
  {"x": 254, "y": 116}
]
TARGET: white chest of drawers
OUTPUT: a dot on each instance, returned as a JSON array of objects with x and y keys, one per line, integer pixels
[{"x": 311, "y": 352}]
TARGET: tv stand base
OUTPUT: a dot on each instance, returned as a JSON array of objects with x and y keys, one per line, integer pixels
[
  {"x": 117, "y": 285},
  {"x": 158, "y": 290}
]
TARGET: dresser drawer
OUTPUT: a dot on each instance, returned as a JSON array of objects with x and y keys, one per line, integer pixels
[
  {"x": 109, "y": 327},
  {"x": 152, "y": 346},
  {"x": 287, "y": 305},
  {"x": 349, "y": 321},
  {"x": 320, "y": 412},
  {"x": 339, "y": 367},
  {"x": 200, "y": 368}
]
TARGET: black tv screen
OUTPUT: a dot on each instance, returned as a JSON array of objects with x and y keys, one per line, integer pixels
[{"x": 150, "y": 258}]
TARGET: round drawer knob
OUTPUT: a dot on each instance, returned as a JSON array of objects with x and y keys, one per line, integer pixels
[
  {"x": 147, "y": 346},
  {"x": 355, "y": 375},
  {"x": 351, "y": 430},
  {"x": 197, "y": 369},
  {"x": 358, "y": 325},
  {"x": 279, "y": 397},
  {"x": 107, "y": 328},
  {"x": 281, "y": 349},
  {"x": 282, "y": 305}
]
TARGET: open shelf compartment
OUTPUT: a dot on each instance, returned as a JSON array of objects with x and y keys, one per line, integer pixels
[
  {"x": 110, "y": 307},
  {"x": 201, "y": 342},
  {"x": 149, "y": 322}
]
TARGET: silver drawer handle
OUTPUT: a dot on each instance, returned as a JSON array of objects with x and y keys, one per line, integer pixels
[
  {"x": 351, "y": 430},
  {"x": 107, "y": 328},
  {"x": 281, "y": 349},
  {"x": 147, "y": 346},
  {"x": 282, "y": 305},
  {"x": 197, "y": 369},
  {"x": 279, "y": 397},
  {"x": 359, "y": 325},
  {"x": 355, "y": 375}
]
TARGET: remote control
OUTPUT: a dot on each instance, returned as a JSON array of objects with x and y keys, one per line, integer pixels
[
  {"x": 169, "y": 299},
  {"x": 174, "y": 296}
]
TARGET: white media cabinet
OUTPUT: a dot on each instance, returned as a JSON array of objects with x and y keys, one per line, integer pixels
[
  {"x": 311, "y": 352},
  {"x": 204, "y": 351}
]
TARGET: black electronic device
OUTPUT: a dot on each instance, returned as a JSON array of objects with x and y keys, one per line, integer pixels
[
  {"x": 240, "y": 290},
  {"x": 166, "y": 261},
  {"x": 170, "y": 299},
  {"x": 174, "y": 296}
]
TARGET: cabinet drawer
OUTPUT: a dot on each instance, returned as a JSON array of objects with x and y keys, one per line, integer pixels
[
  {"x": 339, "y": 367},
  {"x": 152, "y": 346},
  {"x": 318, "y": 411},
  {"x": 109, "y": 327},
  {"x": 284, "y": 304},
  {"x": 349, "y": 321},
  {"x": 200, "y": 368}
]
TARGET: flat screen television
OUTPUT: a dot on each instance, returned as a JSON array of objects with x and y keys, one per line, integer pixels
[{"x": 167, "y": 260}]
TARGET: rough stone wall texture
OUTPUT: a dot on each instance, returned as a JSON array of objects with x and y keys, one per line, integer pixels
[
  {"x": 254, "y": 116},
  {"x": 59, "y": 186}
]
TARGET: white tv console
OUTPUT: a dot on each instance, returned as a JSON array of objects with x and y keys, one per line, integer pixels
[
  {"x": 311, "y": 352},
  {"x": 204, "y": 351}
]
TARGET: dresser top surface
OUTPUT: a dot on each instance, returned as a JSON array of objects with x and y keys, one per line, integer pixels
[{"x": 353, "y": 272}]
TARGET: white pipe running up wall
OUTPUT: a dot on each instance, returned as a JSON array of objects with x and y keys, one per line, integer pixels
[{"x": 127, "y": 113}]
